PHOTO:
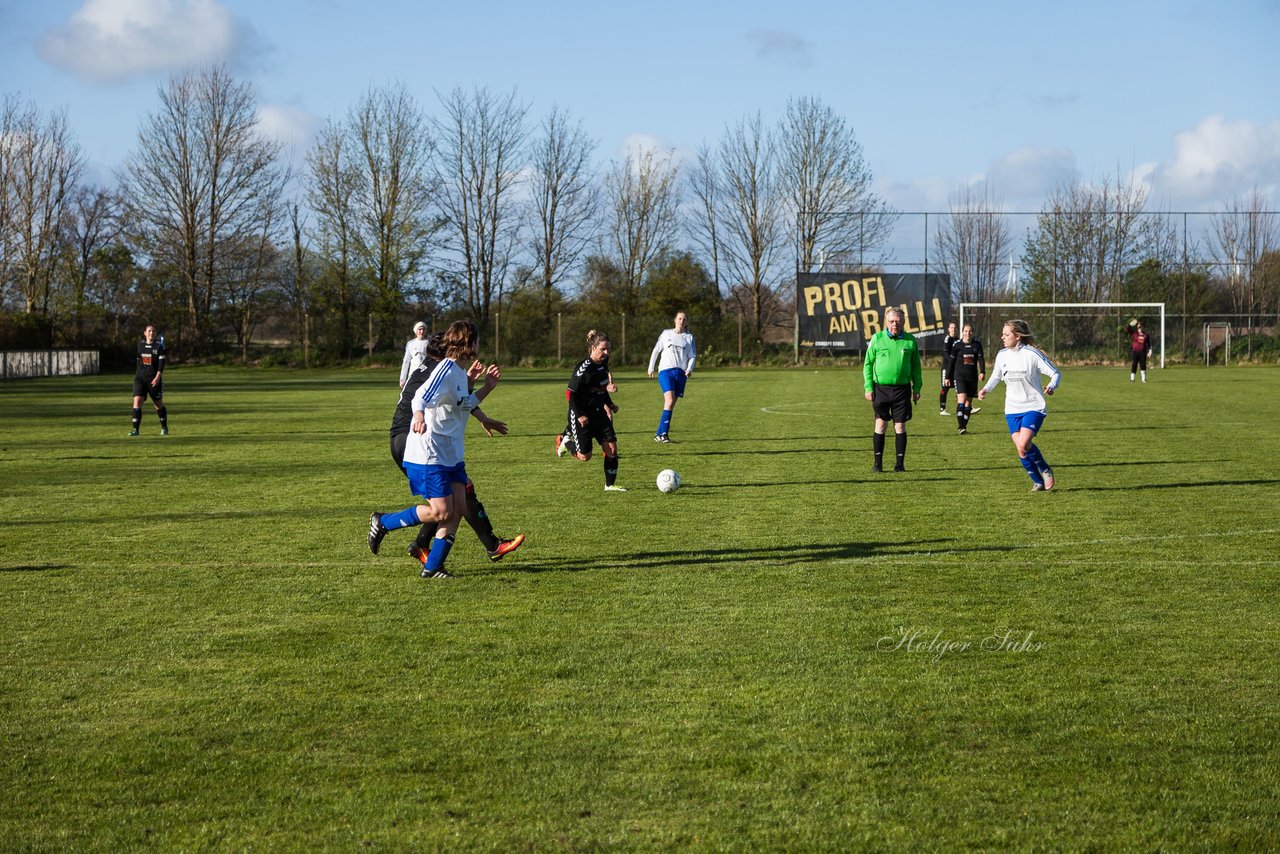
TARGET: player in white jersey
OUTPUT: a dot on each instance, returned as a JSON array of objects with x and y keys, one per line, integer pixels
[
  {"x": 415, "y": 352},
  {"x": 433, "y": 455},
  {"x": 673, "y": 355},
  {"x": 1022, "y": 367}
]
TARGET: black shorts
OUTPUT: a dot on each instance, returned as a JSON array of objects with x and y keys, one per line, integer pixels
[
  {"x": 966, "y": 384},
  {"x": 1139, "y": 361},
  {"x": 143, "y": 388},
  {"x": 398, "y": 441},
  {"x": 892, "y": 402},
  {"x": 599, "y": 427}
]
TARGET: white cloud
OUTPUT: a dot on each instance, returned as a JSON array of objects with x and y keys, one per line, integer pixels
[
  {"x": 1020, "y": 181},
  {"x": 110, "y": 40},
  {"x": 1026, "y": 177},
  {"x": 290, "y": 126},
  {"x": 1218, "y": 160}
]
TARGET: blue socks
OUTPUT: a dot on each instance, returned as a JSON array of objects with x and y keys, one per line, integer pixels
[
  {"x": 664, "y": 423},
  {"x": 1033, "y": 454},
  {"x": 406, "y": 518},
  {"x": 439, "y": 551},
  {"x": 1032, "y": 469}
]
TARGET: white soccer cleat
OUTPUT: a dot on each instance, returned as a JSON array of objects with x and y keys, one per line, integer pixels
[{"x": 615, "y": 488}]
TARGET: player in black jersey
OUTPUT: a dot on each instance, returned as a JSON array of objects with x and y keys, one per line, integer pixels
[
  {"x": 591, "y": 410},
  {"x": 474, "y": 513},
  {"x": 967, "y": 370},
  {"x": 148, "y": 380},
  {"x": 948, "y": 342}
]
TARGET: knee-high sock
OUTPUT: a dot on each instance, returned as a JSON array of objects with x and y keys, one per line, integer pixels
[
  {"x": 877, "y": 447},
  {"x": 426, "y": 534},
  {"x": 406, "y": 518},
  {"x": 610, "y": 470},
  {"x": 664, "y": 422},
  {"x": 137, "y": 417},
  {"x": 439, "y": 551},
  {"x": 479, "y": 520},
  {"x": 900, "y": 447},
  {"x": 163, "y": 412},
  {"x": 1032, "y": 471},
  {"x": 1037, "y": 458}
]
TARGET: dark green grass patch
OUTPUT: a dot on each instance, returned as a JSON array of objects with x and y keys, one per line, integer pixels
[{"x": 197, "y": 649}]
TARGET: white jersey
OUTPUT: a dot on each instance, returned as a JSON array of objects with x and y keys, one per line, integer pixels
[
  {"x": 415, "y": 355},
  {"x": 677, "y": 351},
  {"x": 1021, "y": 369},
  {"x": 446, "y": 402}
]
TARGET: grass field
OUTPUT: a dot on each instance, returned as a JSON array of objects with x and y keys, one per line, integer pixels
[{"x": 198, "y": 651}]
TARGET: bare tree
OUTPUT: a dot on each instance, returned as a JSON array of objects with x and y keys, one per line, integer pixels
[
  {"x": 392, "y": 147},
  {"x": 195, "y": 181},
  {"x": 703, "y": 220},
  {"x": 1243, "y": 233},
  {"x": 93, "y": 223},
  {"x": 335, "y": 182},
  {"x": 1086, "y": 238},
  {"x": 642, "y": 200},
  {"x": 972, "y": 242},
  {"x": 43, "y": 164},
  {"x": 566, "y": 199},
  {"x": 482, "y": 140},
  {"x": 828, "y": 182},
  {"x": 9, "y": 109},
  {"x": 751, "y": 219},
  {"x": 254, "y": 284}
]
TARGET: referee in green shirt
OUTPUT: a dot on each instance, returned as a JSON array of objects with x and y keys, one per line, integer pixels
[{"x": 892, "y": 379}]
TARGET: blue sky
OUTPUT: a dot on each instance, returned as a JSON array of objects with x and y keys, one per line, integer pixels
[{"x": 1184, "y": 96}]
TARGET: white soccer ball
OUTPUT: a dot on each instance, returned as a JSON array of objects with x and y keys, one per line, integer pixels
[
  {"x": 668, "y": 480},
  {"x": 1133, "y": 323}
]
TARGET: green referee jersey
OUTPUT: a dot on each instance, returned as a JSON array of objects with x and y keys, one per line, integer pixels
[{"x": 892, "y": 361}]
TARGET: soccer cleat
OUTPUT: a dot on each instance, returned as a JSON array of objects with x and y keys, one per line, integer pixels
[
  {"x": 506, "y": 547},
  {"x": 662, "y": 439},
  {"x": 133, "y": 432},
  {"x": 376, "y": 532},
  {"x": 1037, "y": 487},
  {"x": 975, "y": 410},
  {"x": 560, "y": 449},
  {"x": 435, "y": 573},
  {"x": 1047, "y": 474},
  {"x": 876, "y": 468},
  {"x": 613, "y": 487},
  {"x": 899, "y": 467},
  {"x": 943, "y": 411},
  {"x": 962, "y": 431},
  {"x": 164, "y": 431},
  {"x": 418, "y": 553}
]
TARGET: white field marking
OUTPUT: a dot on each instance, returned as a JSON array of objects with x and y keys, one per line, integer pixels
[
  {"x": 1099, "y": 541},
  {"x": 785, "y": 409}
]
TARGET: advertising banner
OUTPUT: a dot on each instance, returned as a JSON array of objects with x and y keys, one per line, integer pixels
[{"x": 841, "y": 311}]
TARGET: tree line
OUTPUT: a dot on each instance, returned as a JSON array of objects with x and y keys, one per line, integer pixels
[{"x": 477, "y": 208}]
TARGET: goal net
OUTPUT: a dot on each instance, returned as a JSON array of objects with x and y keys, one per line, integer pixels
[{"x": 1084, "y": 332}]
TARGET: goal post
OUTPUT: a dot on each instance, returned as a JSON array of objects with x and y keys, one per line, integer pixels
[{"x": 1057, "y": 306}]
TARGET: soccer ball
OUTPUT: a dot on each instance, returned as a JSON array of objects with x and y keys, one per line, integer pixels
[
  {"x": 668, "y": 480},
  {"x": 1133, "y": 324}
]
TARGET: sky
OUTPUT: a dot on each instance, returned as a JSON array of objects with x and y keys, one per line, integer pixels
[{"x": 1013, "y": 98}]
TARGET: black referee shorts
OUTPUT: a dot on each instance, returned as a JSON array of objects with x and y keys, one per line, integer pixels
[{"x": 892, "y": 403}]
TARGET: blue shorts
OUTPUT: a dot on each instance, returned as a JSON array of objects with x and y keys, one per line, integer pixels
[
  {"x": 672, "y": 379},
  {"x": 434, "y": 481},
  {"x": 1032, "y": 421}
]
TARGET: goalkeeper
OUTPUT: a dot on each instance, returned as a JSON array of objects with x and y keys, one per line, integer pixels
[{"x": 1140, "y": 348}]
